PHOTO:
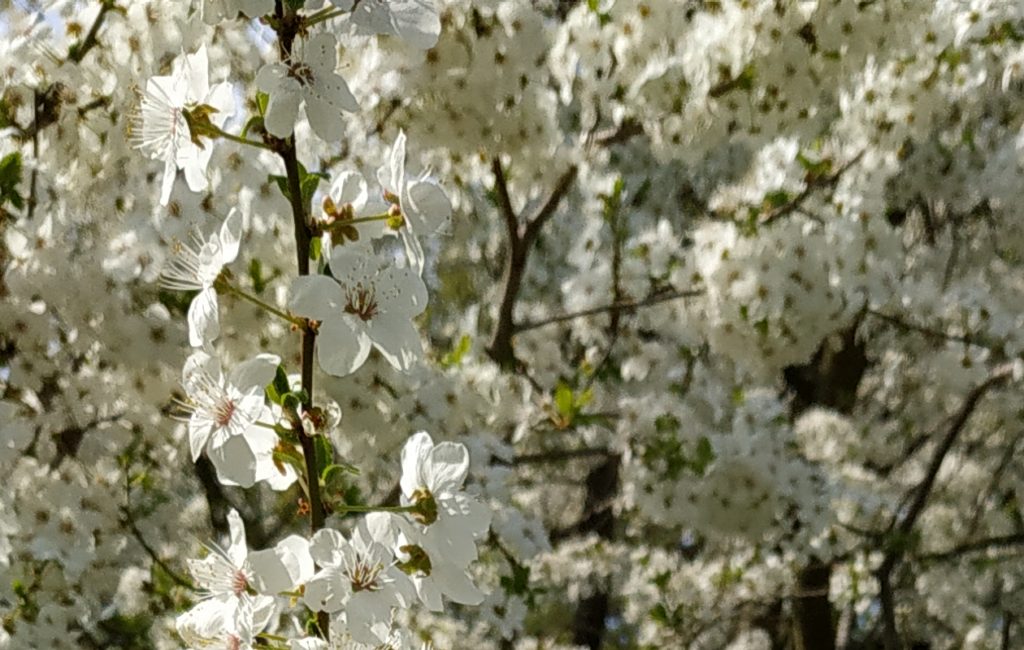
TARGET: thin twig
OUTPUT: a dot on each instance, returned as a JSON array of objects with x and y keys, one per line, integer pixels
[
  {"x": 622, "y": 307},
  {"x": 977, "y": 546},
  {"x": 811, "y": 187},
  {"x": 78, "y": 50},
  {"x": 557, "y": 455},
  {"x": 902, "y": 525},
  {"x": 927, "y": 331},
  {"x": 520, "y": 239}
]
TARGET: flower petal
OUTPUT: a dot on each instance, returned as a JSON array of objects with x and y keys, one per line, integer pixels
[
  {"x": 282, "y": 108},
  {"x": 316, "y": 296},
  {"x": 416, "y": 22},
  {"x": 428, "y": 206},
  {"x": 447, "y": 467},
  {"x": 230, "y": 236},
  {"x": 234, "y": 460},
  {"x": 203, "y": 318},
  {"x": 414, "y": 455},
  {"x": 237, "y": 549},
  {"x": 341, "y": 347},
  {"x": 256, "y": 372},
  {"x": 397, "y": 340}
]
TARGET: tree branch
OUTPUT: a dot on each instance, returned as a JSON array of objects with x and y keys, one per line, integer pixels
[
  {"x": 901, "y": 526},
  {"x": 927, "y": 331},
  {"x": 520, "y": 239},
  {"x": 998, "y": 542},
  {"x": 288, "y": 25},
  {"x": 621, "y": 307},
  {"x": 811, "y": 187},
  {"x": 78, "y": 50}
]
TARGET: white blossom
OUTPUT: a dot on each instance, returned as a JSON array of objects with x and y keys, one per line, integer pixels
[
  {"x": 161, "y": 130},
  {"x": 422, "y": 202},
  {"x": 196, "y": 267},
  {"x": 308, "y": 77},
  {"x": 369, "y": 303}
]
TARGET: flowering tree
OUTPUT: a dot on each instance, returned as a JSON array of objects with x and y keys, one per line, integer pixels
[{"x": 434, "y": 323}]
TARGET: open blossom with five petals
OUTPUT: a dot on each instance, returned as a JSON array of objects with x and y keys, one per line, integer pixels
[
  {"x": 360, "y": 578},
  {"x": 196, "y": 267},
  {"x": 226, "y": 582},
  {"x": 421, "y": 201},
  {"x": 224, "y": 415},
  {"x": 161, "y": 130},
  {"x": 233, "y": 577},
  {"x": 369, "y": 303},
  {"x": 439, "y": 542},
  {"x": 415, "y": 22},
  {"x": 309, "y": 77}
]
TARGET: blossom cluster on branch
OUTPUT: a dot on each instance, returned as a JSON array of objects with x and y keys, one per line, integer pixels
[{"x": 711, "y": 308}]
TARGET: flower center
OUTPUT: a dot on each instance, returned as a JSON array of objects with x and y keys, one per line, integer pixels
[
  {"x": 364, "y": 577},
  {"x": 234, "y": 643},
  {"x": 224, "y": 411},
  {"x": 239, "y": 583},
  {"x": 301, "y": 73},
  {"x": 362, "y": 302},
  {"x": 425, "y": 504}
]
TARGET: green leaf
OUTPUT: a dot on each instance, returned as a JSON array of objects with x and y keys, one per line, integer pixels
[
  {"x": 282, "y": 184},
  {"x": 324, "y": 454},
  {"x": 277, "y": 389},
  {"x": 256, "y": 275},
  {"x": 564, "y": 400},
  {"x": 660, "y": 614},
  {"x": 776, "y": 199},
  {"x": 255, "y": 121},
  {"x": 10, "y": 176},
  {"x": 308, "y": 183},
  {"x": 815, "y": 168},
  {"x": 455, "y": 355},
  {"x": 704, "y": 457},
  {"x": 517, "y": 584},
  {"x": 315, "y": 248},
  {"x": 291, "y": 402},
  {"x": 262, "y": 99}
]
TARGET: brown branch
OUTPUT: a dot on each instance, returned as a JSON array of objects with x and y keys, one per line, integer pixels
[
  {"x": 898, "y": 322},
  {"x": 811, "y": 187},
  {"x": 557, "y": 455},
  {"x": 901, "y": 527},
  {"x": 923, "y": 490},
  {"x": 548, "y": 208},
  {"x": 621, "y": 307},
  {"x": 520, "y": 239},
  {"x": 303, "y": 238},
  {"x": 998, "y": 542},
  {"x": 618, "y": 135},
  {"x": 508, "y": 213},
  {"x": 78, "y": 50}
]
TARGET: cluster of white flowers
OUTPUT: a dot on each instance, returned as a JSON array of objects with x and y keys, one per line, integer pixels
[
  {"x": 388, "y": 562},
  {"x": 751, "y": 258}
]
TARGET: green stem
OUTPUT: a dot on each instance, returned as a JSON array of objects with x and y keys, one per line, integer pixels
[
  {"x": 376, "y": 217},
  {"x": 360, "y": 509},
  {"x": 322, "y": 16},
  {"x": 217, "y": 132},
  {"x": 276, "y": 428},
  {"x": 287, "y": 29},
  {"x": 230, "y": 288}
]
